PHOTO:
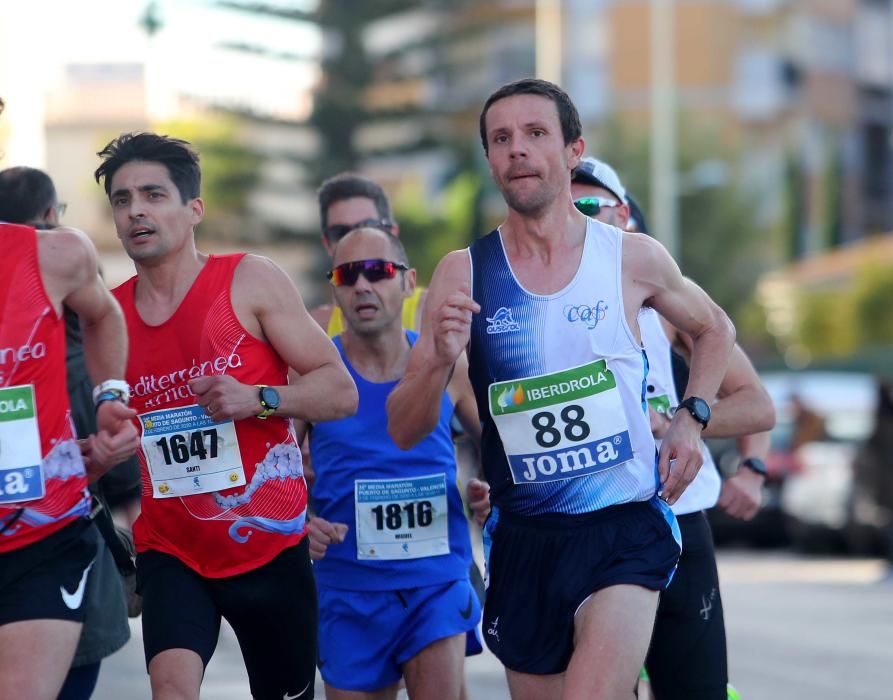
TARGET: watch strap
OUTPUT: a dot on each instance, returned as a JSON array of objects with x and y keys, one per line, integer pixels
[{"x": 756, "y": 465}]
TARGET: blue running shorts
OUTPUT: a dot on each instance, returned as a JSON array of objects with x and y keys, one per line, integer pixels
[{"x": 365, "y": 637}]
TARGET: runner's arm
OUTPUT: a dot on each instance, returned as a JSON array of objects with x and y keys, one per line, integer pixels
[
  {"x": 69, "y": 266},
  {"x": 651, "y": 277},
  {"x": 744, "y": 406},
  {"x": 322, "y": 314},
  {"x": 414, "y": 405},
  {"x": 71, "y": 274},
  {"x": 742, "y": 493},
  {"x": 321, "y": 390},
  {"x": 462, "y": 396}
]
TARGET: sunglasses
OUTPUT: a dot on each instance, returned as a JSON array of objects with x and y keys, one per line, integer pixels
[
  {"x": 336, "y": 232},
  {"x": 373, "y": 270},
  {"x": 591, "y": 206}
]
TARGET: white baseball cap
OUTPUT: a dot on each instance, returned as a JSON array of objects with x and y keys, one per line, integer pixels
[{"x": 596, "y": 172}]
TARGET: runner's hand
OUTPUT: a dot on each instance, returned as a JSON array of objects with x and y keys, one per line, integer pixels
[
  {"x": 116, "y": 439},
  {"x": 659, "y": 423},
  {"x": 322, "y": 533},
  {"x": 478, "y": 493},
  {"x": 680, "y": 456},
  {"x": 114, "y": 417},
  {"x": 226, "y": 398},
  {"x": 742, "y": 494},
  {"x": 451, "y": 324}
]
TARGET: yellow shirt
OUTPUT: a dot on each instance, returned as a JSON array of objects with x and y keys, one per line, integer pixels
[{"x": 410, "y": 309}]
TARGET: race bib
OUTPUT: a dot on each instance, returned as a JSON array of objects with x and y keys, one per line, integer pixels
[
  {"x": 661, "y": 404},
  {"x": 402, "y": 518},
  {"x": 561, "y": 425},
  {"x": 21, "y": 464},
  {"x": 188, "y": 453}
]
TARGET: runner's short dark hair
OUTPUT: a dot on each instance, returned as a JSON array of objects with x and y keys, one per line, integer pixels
[
  {"x": 25, "y": 195},
  {"x": 347, "y": 186},
  {"x": 571, "y": 128},
  {"x": 178, "y": 156}
]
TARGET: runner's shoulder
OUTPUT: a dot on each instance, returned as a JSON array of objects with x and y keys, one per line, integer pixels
[
  {"x": 260, "y": 281},
  {"x": 67, "y": 252}
]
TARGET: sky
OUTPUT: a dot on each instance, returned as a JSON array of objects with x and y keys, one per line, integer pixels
[{"x": 38, "y": 38}]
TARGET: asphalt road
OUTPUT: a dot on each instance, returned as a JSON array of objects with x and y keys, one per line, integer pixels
[{"x": 798, "y": 629}]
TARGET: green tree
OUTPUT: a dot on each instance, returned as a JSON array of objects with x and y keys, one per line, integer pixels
[
  {"x": 343, "y": 102},
  {"x": 825, "y": 325},
  {"x": 229, "y": 172},
  {"x": 872, "y": 310},
  {"x": 721, "y": 245},
  {"x": 428, "y": 232}
]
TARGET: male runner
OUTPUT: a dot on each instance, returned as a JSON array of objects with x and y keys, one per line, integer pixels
[
  {"x": 47, "y": 545},
  {"x": 348, "y": 201},
  {"x": 28, "y": 196},
  {"x": 222, "y": 528},
  {"x": 687, "y": 658},
  {"x": 389, "y": 531},
  {"x": 580, "y": 543}
]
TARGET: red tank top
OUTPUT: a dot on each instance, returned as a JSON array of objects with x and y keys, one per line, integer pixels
[
  {"x": 43, "y": 486},
  {"x": 186, "y": 511}
]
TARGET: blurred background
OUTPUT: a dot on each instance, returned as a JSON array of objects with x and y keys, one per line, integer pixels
[{"x": 758, "y": 134}]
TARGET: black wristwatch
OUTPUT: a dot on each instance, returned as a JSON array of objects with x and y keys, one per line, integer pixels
[
  {"x": 699, "y": 409},
  {"x": 755, "y": 464},
  {"x": 269, "y": 400}
]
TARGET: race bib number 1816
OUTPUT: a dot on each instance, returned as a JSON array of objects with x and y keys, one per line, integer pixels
[{"x": 402, "y": 518}]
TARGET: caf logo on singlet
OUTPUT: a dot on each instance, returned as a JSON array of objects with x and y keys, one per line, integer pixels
[
  {"x": 586, "y": 314},
  {"x": 502, "y": 322}
]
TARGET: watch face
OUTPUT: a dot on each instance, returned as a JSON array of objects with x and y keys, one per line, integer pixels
[
  {"x": 702, "y": 410},
  {"x": 270, "y": 397}
]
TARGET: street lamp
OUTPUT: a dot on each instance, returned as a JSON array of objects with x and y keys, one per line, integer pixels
[{"x": 663, "y": 124}]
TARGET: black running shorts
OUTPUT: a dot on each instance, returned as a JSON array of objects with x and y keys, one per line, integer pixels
[
  {"x": 47, "y": 580},
  {"x": 543, "y": 568},
  {"x": 272, "y": 610}
]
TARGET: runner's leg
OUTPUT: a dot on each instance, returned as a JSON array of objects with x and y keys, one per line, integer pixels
[
  {"x": 181, "y": 624},
  {"x": 176, "y": 674},
  {"x": 526, "y": 686},
  {"x": 389, "y": 693},
  {"x": 436, "y": 672},
  {"x": 35, "y": 656},
  {"x": 612, "y": 630},
  {"x": 273, "y": 612}
]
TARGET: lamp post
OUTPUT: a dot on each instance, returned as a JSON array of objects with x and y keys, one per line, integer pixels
[
  {"x": 548, "y": 40},
  {"x": 663, "y": 124}
]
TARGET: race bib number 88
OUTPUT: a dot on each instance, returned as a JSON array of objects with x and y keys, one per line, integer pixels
[{"x": 561, "y": 425}]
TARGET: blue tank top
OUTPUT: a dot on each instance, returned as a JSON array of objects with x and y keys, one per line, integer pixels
[
  {"x": 559, "y": 381},
  {"x": 407, "y": 526}
]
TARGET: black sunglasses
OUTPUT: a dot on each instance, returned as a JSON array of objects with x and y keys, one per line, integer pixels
[
  {"x": 336, "y": 232},
  {"x": 348, "y": 273}
]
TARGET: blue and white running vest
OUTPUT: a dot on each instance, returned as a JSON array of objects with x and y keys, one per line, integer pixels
[
  {"x": 560, "y": 382},
  {"x": 703, "y": 492},
  {"x": 407, "y": 525}
]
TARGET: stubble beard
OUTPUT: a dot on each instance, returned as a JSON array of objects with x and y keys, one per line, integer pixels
[{"x": 531, "y": 203}]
